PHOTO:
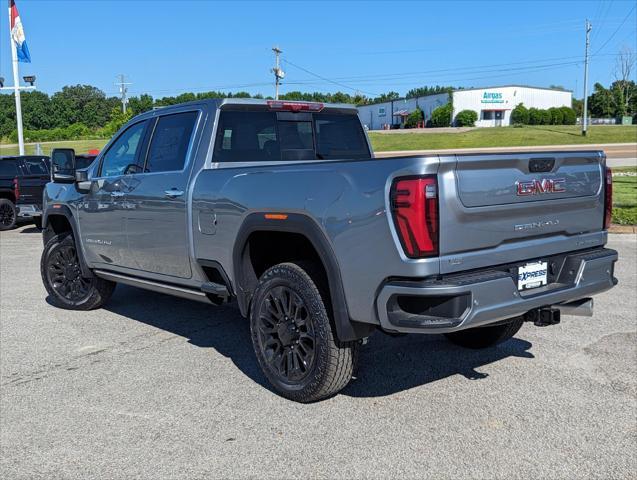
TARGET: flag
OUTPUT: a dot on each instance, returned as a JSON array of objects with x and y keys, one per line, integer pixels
[{"x": 17, "y": 34}]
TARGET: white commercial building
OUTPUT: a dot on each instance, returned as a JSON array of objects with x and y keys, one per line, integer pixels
[{"x": 492, "y": 104}]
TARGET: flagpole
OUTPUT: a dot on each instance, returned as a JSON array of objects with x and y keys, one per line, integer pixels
[{"x": 16, "y": 87}]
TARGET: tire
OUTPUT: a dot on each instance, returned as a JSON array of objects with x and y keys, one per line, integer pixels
[
  {"x": 292, "y": 336},
  {"x": 8, "y": 214},
  {"x": 62, "y": 277},
  {"x": 37, "y": 221},
  {"x": 483, "y": 337}
]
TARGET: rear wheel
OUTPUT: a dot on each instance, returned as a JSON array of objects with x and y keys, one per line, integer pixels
[
  {"x": 8, "y": 214},
  {"x": 293, "y": 338},
  {"x": 63, "y": 280},
  {"x": 37, "y": 221},
  {"x": 483, "y": 337}
]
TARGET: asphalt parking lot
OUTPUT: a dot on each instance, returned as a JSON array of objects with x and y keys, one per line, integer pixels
[{"x": 158, "y": 387}]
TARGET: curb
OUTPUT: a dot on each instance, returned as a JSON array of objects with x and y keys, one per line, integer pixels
[{"x": 622, "y": 229}]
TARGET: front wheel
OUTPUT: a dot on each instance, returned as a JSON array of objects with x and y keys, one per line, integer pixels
[
  {"x": 63, "y": 280},
  {"x": 292, "y": 336},
  {"x": 483, "y": 337}
]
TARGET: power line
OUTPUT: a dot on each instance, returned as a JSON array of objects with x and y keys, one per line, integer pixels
[
  {"x": 328, "y": 80},
  {"x": 616, "y": 30}
]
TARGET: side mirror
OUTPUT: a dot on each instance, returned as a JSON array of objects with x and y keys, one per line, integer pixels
[{"x": 63, "y": 165}]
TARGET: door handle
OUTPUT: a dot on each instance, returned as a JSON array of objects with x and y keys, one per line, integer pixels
[
  {"x": 173, "y": 193},
  {"x": 117, "y": 194}
]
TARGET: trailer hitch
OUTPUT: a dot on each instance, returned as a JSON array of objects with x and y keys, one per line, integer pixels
[{"x": 543, "y": 317}]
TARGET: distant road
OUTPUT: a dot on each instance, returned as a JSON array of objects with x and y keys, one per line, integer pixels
[{"x": 618, "y": 154}]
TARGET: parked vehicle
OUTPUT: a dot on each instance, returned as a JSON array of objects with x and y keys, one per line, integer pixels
[
  {"x": 22, "y": 180},
  {"x": 282, "y": 206}
]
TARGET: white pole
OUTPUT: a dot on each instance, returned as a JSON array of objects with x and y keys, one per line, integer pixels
[{"x": 16, "y": 89}]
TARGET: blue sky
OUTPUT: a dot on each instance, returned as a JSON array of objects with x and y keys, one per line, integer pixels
[{"x": 168, "y": 47}]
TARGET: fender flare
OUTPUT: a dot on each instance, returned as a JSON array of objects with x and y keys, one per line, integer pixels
[
  {"x": 64, "y": 211},
  {"x": 245, "y": 284}
]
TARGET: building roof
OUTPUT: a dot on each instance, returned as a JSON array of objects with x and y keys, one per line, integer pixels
[
  {"x": 513, "y": 85},
  {"x": 468, "y": 90}
]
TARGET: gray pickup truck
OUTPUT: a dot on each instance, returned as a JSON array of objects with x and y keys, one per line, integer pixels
[{"x": 282, "y": 207}]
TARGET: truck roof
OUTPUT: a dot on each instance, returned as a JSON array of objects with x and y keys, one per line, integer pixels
[{"x": 256, "y": 102}]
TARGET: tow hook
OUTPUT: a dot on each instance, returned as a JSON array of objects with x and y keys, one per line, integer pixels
[{"x": 543, "y": 317}]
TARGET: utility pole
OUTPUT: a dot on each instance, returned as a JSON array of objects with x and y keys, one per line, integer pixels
[
  {"x": 278, "y": 73},
  {"x": 589, "y": 27},
  {"x": 123, "y": 90}
]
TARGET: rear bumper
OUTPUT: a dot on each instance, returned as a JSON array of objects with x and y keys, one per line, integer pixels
[
  {"x": 473, "y": 299},
  {"x": 29, "y": 210}
]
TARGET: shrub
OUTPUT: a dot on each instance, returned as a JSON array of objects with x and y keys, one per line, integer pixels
[
  {"x": 569, "y": 116},
  {"x": 535, "y": 116},
  {"x": 557, "y": 117},
  {"x": 413, "y": 118},
  {"x": 466, "y": 118},
  {"x": 520, "y": 115},
  {"x": 545, "y": 117},
  {"x": 441, "y": 116}
]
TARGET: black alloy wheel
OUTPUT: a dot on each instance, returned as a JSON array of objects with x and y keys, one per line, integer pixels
[
  {"x": 7, "y": 214},
  {"x": 65, "y": 274},
  {"x": 286, "y": 335}
]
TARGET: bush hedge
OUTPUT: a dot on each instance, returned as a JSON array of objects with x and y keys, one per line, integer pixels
[
  {"x": 441, "y": 116},
  {"x": 466, "y": 118},
  {"x": 77, "y": 131},
  {"x": 520, "y": 115},
  {"x": 552, "y": 116}
]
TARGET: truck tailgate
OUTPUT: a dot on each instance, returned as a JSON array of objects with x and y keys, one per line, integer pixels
[{"x": 497, "y": 208}]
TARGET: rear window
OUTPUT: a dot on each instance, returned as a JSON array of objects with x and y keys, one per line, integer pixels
[
  {"x": 8, "y": 168},
  {"x": 339, "y": 136},
  {"x": 261, "y": 137},
  {"x": 36, "y": 166}
]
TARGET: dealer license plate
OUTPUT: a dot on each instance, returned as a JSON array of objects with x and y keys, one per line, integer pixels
[{"x": 532, "y": 275}]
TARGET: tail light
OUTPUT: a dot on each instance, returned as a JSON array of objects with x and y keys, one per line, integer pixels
[
  {"x": 16, "y": 188},
  {"x": 608, "y": 198},
  {"x": 295, "y": 106},
  {"x": 414, "y": 204}
]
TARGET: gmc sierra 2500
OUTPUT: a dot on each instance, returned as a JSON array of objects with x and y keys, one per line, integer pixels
[{"x": 282, "y": 206}]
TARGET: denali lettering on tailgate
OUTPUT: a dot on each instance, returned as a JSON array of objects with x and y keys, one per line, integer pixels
[{"x": 539, "y": 187}]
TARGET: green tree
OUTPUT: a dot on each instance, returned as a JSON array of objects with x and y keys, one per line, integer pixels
[
  {"x": 424, "y": 91},
  {"x": 600, "y": 102},
  {"x": 466, "y": 118},
  {"x": 441, "y": 116},
  {"x": 81, "y": 104},
  {"x": 578, "y": 106},
  {"x": 140, "y": 104},
  {"x": 520, "y": 115}
]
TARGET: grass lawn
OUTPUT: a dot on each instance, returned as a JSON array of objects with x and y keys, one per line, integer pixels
[
  {"x": 504, "y": 137},
  {"x": 80, "y": 146},
  {"x": 625, "y": 196}
]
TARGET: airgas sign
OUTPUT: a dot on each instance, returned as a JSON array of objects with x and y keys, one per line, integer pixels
[{"x": 492, "y": 97}]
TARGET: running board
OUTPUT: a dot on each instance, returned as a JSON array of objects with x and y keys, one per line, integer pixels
[{"x": 182, "y": 292}]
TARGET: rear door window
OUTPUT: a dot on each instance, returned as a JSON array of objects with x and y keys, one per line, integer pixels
[
  {"x": 36, "y": 166},
  {"x": 247, "y": 137},
  {"x": 170, "y": 142},
  {"x": 8, "y": 168}
]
